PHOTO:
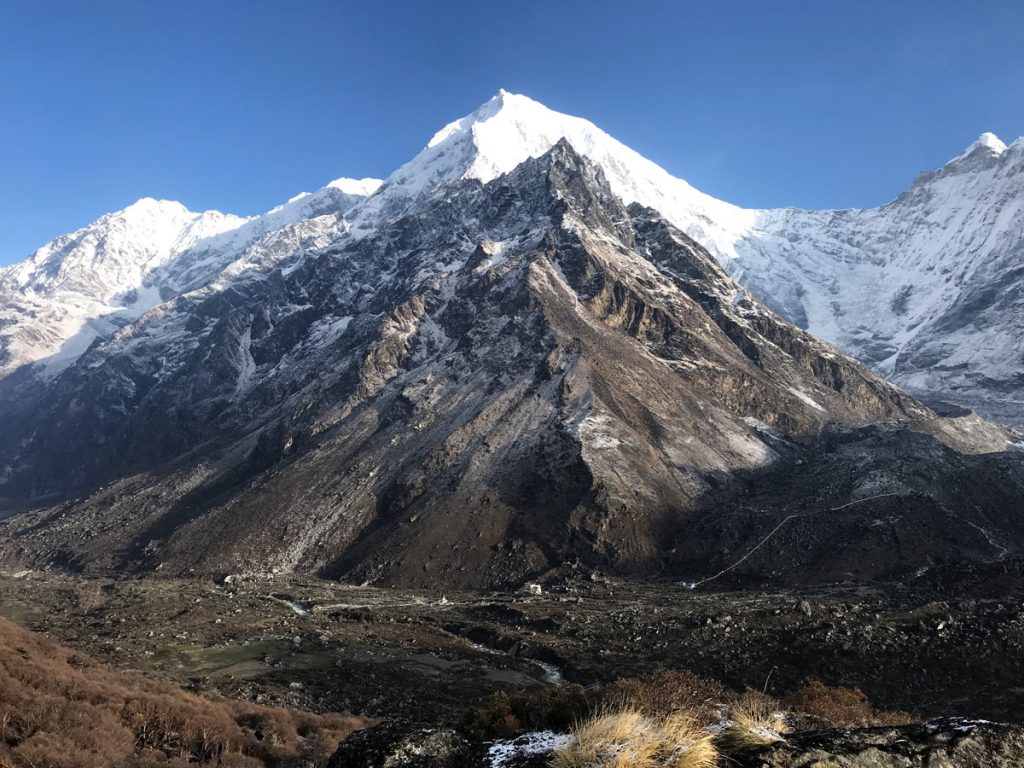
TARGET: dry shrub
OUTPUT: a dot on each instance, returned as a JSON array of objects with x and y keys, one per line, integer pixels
[
  {"x": 60, "y": 709},
  {"x": 502, "y": 715},
  {"x": 893, "y": 717},
  {"x": 755, "y": 720},
  {"x": 631, "y": 739},
  {"x": 819, "y": 705},
  {"x": 665, "y": 692}
]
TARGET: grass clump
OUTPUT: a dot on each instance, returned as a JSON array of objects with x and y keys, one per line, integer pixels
[
  {"x": 670, "y": 700},
  {"x": 631, "y": 739},
  {"x": 559, "y": 707},
  {"x": 754, "y": 720}
]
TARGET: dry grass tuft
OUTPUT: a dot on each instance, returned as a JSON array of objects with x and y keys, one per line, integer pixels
[
  {"x": 755, "y": 720},
  {"x": 559, "y": 707},
  {"x": 631, "y": 739},
  {"x": 60, "y": 709},
  {"x": 691, "y": 742}
]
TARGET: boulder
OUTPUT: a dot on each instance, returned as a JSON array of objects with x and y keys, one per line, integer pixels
[{"x": 401, "y": 744}]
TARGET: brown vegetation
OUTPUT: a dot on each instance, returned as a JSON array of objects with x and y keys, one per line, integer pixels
[
  {"x": 668, "y": 691},
  {"x": 61, "y": 709},
  {"x": 557, "y": 708},
  {"x": 822, "y": 706},
  {"x": 601, "y": 717}
]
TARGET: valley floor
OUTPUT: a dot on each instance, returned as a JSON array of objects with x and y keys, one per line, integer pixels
[{"x": 381, "y": 652}]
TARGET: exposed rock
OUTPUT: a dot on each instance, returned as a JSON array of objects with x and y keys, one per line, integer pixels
[
  {"x": 937, "y": 744},
  {"x": 400, "y": 744}
]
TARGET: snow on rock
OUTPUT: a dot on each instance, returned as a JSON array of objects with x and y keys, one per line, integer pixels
[{"x": 503, "y": 752}]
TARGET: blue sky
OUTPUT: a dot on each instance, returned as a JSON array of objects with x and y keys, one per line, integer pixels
[{"x": 238, "y": 105}]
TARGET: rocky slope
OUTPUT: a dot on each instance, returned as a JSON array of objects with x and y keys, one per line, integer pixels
[
  {"x": 927, "y": 288},
  {"x": 476, "y": 377}
]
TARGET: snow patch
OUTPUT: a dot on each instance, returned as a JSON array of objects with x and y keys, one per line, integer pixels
[
  {"x": 804, "y": 397},
  {"x": 538, "y": 742},
  {"x": 597, "y": 431},
  {"x": 497, "y": 254},
  {"x": 362, "y": 187}
]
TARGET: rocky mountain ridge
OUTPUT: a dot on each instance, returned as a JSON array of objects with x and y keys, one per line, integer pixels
[
  {"x": 926, "y": 289},
  {"x": 491, "y": 381},
  {"x": 85, "y": 285}
]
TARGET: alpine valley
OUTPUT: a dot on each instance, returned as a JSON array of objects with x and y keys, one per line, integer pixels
[{"x": 531, "y": 411}]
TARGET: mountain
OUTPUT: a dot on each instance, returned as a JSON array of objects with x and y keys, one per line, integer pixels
[
  {"x": 87, "y": 284},
  {"x": 495, "y": 366},
  {"x": 926, "y": 289}
]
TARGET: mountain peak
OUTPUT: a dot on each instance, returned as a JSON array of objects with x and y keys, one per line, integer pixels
[
  {"x": 510, "y": 128},
  {"x": 509, "y": 106},
  {"x": 990, "y": 141},
  {"x": 151, "y": 204},
  {"x": 362, "y": 187},
  {"x": 986, "y": 146}
]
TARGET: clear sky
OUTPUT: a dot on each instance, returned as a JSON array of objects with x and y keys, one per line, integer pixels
[{"x": 240, "y": 104}]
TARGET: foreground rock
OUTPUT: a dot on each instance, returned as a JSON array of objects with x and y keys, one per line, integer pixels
[
  {"x": 401, "y": 744},
  {"x": 946, "y": 743}
]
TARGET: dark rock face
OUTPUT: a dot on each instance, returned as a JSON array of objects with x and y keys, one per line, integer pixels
[
  {"x": 936, "y": 744},
  {"x": 399, "y": 744},
  {"x": 500, "y": 379}
]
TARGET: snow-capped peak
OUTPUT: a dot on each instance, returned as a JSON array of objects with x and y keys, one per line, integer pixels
[
  {"x": 145, "y": 206},
  {"x": 362, "y": 187},
  {"x": 987, "y": 145},
  {"x": 991, "y": 141},
  {"x": 511, "y": 128},
  {"x": 113, "y": 253}
]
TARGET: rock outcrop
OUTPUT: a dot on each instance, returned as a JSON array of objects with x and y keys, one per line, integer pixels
[{"x": 949, "y": 743}]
